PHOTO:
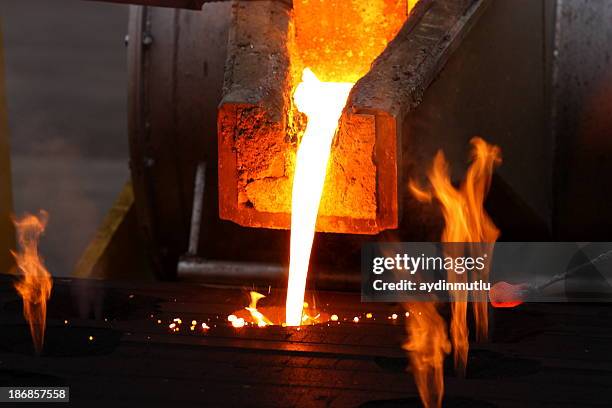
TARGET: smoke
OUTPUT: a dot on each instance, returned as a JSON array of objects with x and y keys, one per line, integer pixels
[{"x": 77, "y": 192}]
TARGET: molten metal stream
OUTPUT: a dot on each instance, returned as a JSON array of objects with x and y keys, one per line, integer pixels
[{"x": 322, "y": 103}]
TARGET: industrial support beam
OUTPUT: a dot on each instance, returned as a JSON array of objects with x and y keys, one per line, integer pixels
[{"x": 7, "y": 236}]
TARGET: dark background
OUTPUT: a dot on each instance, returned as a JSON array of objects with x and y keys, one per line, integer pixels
[{"x": 66, "y": 93}]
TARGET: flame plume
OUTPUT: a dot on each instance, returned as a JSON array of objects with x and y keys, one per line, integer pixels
[
  {"x": 465, "y": 221},
  {"x": 427, "y": 346},
  {"x": 36, "y": 283}
]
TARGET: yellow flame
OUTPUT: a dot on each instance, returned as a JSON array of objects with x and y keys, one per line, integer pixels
[
  {"x": 322, "y": 103},
  {"x": 257, "y": 316},
  {"x": 36, "y": 283}
]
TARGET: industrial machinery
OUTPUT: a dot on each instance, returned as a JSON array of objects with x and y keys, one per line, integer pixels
[
  {"x": 210, "y": 86},
  {"x": 214, "y": 132}
]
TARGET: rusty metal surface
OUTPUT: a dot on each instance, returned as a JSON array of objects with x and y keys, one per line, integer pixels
[
  {"x": 253, "y": 131},
  {"x": 402, "y": 73}
]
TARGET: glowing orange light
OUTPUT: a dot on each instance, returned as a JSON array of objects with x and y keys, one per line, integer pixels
[
  {"x": 238, "y": 322},
  {"x": 257, "y": 316},
  {"x": 465, "y": 221},
  {"x": 427, "y": 346},
  {"x": 506, "y": 295},
  {"x": 322, "y": 102},
  {"x": 35, "y": 284}
]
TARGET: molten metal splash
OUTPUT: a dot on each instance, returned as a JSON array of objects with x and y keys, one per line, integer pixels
[
  {"x": 36, "y": 283},
  {"x": 322, "y": 102},
  {"x": 270, "y": 315},
  {"x": 257, "y": 316},
  {"x": 427, "y": 346},
  {"x": 465, "y": 221}
]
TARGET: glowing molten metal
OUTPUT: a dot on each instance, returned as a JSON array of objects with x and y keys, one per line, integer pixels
[
  {"x": 322, "y": 103},
  {"x": 257, "y": 316},
  {"x": 336, "y": 42},
  {"x": 507, "y": 295},
  {"x": 36, "y": 283}
]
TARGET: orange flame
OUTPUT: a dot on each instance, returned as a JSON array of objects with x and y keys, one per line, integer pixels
[
  {"x": 253, "y": 315},
  {"x": 36, "y": 283},
  {"x": 427, "y": 346},
  {"x": 465, "y": 221}
]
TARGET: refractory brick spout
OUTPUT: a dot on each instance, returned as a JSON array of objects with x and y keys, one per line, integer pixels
[{"x": 259, "y": 127}]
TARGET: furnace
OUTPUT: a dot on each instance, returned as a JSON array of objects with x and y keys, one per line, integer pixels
[
  {"x": 259, "y": 125},
  {"x": 249, "y": 182}
]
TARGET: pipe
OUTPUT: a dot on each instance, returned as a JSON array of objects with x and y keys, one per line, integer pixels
[{"x": 196, "y": 212}]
